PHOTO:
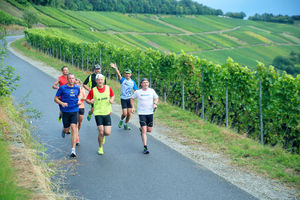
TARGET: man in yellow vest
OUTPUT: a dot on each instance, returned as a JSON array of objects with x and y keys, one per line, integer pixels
[
  {"x": 89, "y": 83},
  {"x": 102, "y": 97}
]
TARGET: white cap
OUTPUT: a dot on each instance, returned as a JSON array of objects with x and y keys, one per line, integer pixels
[{"x": 100, "y": 76}]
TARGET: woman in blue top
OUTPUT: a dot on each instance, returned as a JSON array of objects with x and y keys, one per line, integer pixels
[{"x": 127, "y": 86}]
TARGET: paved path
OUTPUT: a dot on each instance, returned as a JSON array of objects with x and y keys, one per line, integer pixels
[{"x": 123, "y": 172}]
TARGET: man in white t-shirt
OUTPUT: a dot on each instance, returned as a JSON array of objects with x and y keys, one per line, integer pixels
[{"x": 147, "y": 103}]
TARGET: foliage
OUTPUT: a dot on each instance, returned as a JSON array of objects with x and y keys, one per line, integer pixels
[
  {"x": 8, "y": 78},
  {"x": 240, "y": 15},
  {"x": 132, "y": 6},
  {"x": 289, "y": 64},
  {"x": 268, "y": 17},
  {"x": 30, "y": 17},
  {"x": 20, "y": 4},
  {"x": 8, "y": 19},
  {"x": 201, "y": 79}
]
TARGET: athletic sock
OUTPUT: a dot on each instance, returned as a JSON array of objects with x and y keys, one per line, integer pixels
[
  {"x": 145, "y": 147},
  {"x": 73, "y": 149}
]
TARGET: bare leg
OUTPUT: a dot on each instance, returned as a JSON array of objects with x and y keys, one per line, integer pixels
[
  {"x": 100, "y": 135},
  {"x": 80, "y": 118},
  {"x": 66, "y": 130},
  {"x": 124, "y": 113},
  {"x": 74, "y": 136},
  {"x": 128, "y": 115},
  {"x": 144, "y": 135}
]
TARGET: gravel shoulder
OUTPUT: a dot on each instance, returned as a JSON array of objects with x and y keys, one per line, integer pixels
[{"x": 260, "y": 187}]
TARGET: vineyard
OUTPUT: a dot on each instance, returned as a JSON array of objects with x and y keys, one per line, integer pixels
[
  {"x": 208, "y": 37},
  {"x": 262, "y": 103}
]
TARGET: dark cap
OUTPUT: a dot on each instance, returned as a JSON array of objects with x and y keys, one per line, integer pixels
[
  {"x": 97, "y": 66},
  {"x": 144, "y": 79},
  {"x": 128, "y": 71}
]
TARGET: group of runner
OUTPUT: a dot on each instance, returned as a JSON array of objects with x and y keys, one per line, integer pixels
[{"x": 71, "y": 96}]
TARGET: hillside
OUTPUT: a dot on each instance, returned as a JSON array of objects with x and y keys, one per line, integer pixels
[{"x": 211, "y": 37}]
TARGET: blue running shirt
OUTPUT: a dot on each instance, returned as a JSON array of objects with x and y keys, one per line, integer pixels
[
  {"x": 126, "y": 88},
  {"x": 69, "y": 95}
]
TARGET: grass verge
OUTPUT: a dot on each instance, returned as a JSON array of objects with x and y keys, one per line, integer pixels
[
  {"x": 23, "y": 174},
  {"x": 269, "y": 161}
]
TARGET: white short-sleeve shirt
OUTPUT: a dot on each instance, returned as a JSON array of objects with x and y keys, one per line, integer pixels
[{"x": 145, "y": 101}]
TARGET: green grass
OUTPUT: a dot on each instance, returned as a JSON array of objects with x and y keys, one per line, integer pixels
[
  {"x": 8, "y": 175},
  {"x": 196, "y": 24},
  {"x": 249, "y": 55},
  {"x": 243, "y": 151},
  {"x": 62, "y": 17},
  {"x": 249, "y": 154},
  {"x": 8, "y": 186}
]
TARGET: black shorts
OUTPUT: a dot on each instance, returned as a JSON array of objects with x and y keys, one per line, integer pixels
[
  {"x": 81, "y": 111},
  {"x": 125, "y": 103},
  {"x": 146, "y": 120},
  {"x": 69, "y": 118},
  {"x": 104, "y": 120}
]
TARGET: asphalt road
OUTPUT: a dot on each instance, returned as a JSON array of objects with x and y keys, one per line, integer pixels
[{"x": 123, "y": 172}]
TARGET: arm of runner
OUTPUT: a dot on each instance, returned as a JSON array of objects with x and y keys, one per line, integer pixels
[
  {"x": 58, "y": 101},
  {"x": 90, "y": 98},
  {"x": 155, "y": 103},
  {"x": 112, "y": 96},
  {"x": 132, "y": 105},
  {"x": 155, "y": 97},
  {"x": 86, "y": 87},
  {"x": 54, "y": 86},
  {"x": 86, "y": 81},
  {"x": 114, "y": 65},
  {"x": 79, "y": 98}
]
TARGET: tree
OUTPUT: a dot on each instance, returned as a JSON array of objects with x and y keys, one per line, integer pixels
[{"x": 30, "y": 17}]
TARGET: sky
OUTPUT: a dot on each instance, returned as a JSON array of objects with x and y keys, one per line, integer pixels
[{"x": 250, "y": 7}]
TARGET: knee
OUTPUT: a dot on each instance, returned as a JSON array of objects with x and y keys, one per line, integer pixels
[
  {"x": 149, "y": 129},
  {"x": 107, "y": 133}
]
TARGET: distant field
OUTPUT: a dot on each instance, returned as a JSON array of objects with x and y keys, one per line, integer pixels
[
  {"x": 249, "y": 55},
  {"x": 211, "y": 37}
]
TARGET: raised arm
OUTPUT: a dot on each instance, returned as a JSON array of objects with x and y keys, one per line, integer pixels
[{"x": 114, "y": 65}]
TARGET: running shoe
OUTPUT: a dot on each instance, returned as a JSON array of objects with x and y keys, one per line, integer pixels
[
  {"x": 120, "y": 124},
  {"x": 63, "y": 134},
  {"x": 146, "y": 151},
  {"x": 73, "y": 154},
  {"x": 103, "y": 141},
  {"x": 126, "y": 127},
  {"x": 59, "y": 118},
  {"x": 89, "y": 117},
  {"x": 100, "y": 151}
]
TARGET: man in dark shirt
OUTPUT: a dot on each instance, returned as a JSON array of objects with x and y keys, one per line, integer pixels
[{"x": 90, "y": 83}]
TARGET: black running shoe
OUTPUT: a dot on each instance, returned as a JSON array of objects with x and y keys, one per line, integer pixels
[
  {"x": 146, "y": 151},
  {"x": 73, "y": 155}
]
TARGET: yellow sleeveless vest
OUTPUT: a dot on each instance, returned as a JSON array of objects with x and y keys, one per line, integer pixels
[{"x": 102, "y": 105}]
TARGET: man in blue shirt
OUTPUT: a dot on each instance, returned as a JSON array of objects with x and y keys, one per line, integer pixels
[
  {"x": 68, "y": 103},
  {"x": 127, "y": 86}
]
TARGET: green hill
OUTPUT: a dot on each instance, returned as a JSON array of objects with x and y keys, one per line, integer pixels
[{"x": 211, "y": 37}]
